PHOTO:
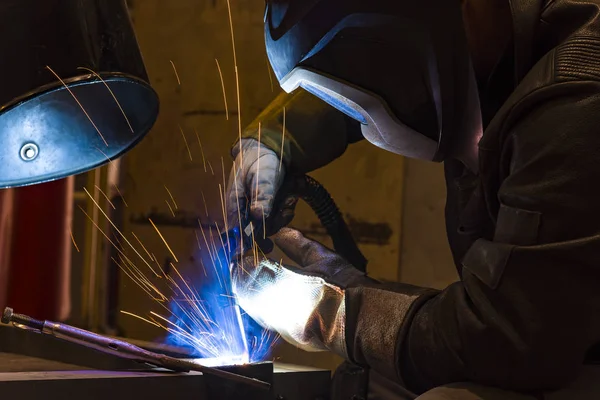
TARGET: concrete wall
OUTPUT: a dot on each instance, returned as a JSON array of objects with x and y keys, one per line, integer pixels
[
  {"x": 192, "y": 34},
  {"x": 426, "y": 257}
]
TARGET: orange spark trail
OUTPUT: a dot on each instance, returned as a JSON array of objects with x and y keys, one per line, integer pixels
[
  {"x": 257, "y": 161},
  {"x": 141, "y": 244},
  {"x": 142, "y": 318},
  {"x": 270, "y": 75},
  {"x": 116, "y": 229},
  {"x": 164, "y": 241},
  {"x": 112, "y": 94},
  {"x": 282, "y": 141},
  {"x": 106, "y": 197},
  {"x": 237, "y": 78},
  {"x": 121, "y": 195},
  {"x": 171, "y": 196},
  {"x": 80, "y": 105},
  {"x": 176, "y": 74},
  {"x": 73, "y": 240},
  {"x": 223, "y": 86},
  {"x": 170, "y": 208},
  {"x": 201, "y": 150},
  {"x": 186, "y": 143},
  {"x": 204, "y": 201}
]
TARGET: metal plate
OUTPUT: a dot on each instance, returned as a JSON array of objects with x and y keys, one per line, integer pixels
[{"x": 59, "y": 368}]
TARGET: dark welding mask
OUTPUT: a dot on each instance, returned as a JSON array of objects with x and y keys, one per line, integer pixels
[
  {"x": 401, "y": 68},
  {"x": 74, "y": 93}
]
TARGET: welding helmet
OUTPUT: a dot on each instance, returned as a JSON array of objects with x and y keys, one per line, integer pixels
[
  {"x": 74, "y": 93},
  {"x": 399, "y": 67}
]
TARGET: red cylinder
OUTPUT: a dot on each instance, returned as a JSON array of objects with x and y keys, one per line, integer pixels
[{"x": 39, "y": 279}]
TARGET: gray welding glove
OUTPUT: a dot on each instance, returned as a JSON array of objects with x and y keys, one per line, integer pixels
[
  {"x": 306, "y": 305},
  {"x": 254, "y": 181},
  {"x": 327, "y": 304}
]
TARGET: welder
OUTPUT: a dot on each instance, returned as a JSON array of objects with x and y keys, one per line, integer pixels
[{"x": 506, "y": 93}]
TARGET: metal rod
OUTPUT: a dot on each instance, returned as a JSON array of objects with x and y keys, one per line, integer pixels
[{"x": 121, "y": 348}]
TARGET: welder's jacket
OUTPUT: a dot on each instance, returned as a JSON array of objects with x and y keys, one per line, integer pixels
[{"x": 525, "y": 232}]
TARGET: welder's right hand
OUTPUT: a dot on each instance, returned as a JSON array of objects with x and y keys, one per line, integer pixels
[{"x": 254, "y": 182}]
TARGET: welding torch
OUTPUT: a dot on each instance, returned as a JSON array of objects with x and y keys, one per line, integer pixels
[
  {"x": 121, "y": 348},
  {"x": 242, "y": 238}
]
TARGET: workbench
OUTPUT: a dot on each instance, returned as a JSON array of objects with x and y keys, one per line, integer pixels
[{"x": 34, "y": 366}]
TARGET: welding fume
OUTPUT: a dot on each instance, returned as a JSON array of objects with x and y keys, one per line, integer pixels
[{"x": 504, "y": 93}]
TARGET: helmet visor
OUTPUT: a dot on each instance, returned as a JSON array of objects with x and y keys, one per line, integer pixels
[{"x": 379, "y": 125}]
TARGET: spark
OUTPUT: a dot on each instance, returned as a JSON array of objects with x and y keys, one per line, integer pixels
[
  {"x": 237, "y": 77},
  {"x": 142, "y": 318},
  {"x": 282, "y": 141},
  {"x": 270, "y": 75},
  {"x": 205, "y": 205},
  {"x": 139, "y": 282},
  {"x": 107, "y": 238},
  {"x": 171, "y": 196},
  {"x": 106, "y": 197},
  {"x": 254, "y": 249},
  {"x": 212, "y": 171},
  {"x": 141, "y": 244},
  {"x": 224, "y": 218},
  {"x": 257, "y": 161},
  {"x": 206, "y": 324},
  {"x": 220, "y": 237},
  {"x": 164, "y": 241},
  {"x": 121, "y": 195},
  {"x": 186, "y": 143},
  {"x": 202, "y": 264},
  {"x": 176, "y": 74},
  {"x": 141, "y": 277},
  {"x": 264, "y": 222},
  {"x": 224, "y": 197},
  {"x": 113, "y": 96},
  {"x": 224, "y": 94},
  {"x": 117, "y": 229},
  {"x": 170, "y": 208},
  {"x": 73, "y": 240},
  {"x": 201, "y": 150},
  {"x": 105, "y": 155},
  {"x": 239, "y": 216},
  {"x": 80, "y": 105},
  {"x": 197, "y": 240},
  {"x": 210, "y": 254}
]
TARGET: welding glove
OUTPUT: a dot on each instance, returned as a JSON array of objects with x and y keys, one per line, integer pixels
[
  {"x": 306, "y": 305},
  {"x": 254, "y": 181},
  {"x": 327, "y": 304}
]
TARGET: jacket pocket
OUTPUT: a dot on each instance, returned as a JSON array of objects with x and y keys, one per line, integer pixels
[
  {"x": 517, "y": 226},
  {"x": 487, "y": 261}
]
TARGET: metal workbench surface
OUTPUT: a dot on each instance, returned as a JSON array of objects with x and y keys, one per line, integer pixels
[
  {"x": 34, "y": 366},
  {"x": 25, "y": 377}
]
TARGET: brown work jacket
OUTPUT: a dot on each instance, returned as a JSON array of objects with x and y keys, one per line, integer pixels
[{"x": 524, "y": 232}]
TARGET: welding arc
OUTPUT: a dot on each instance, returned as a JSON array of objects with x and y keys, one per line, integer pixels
[{"x": 120, "y": 348}]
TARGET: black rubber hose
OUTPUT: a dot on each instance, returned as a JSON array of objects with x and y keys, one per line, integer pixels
[{"x": 320, "y": 201}]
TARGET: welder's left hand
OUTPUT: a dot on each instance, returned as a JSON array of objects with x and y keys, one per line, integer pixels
[{"x": 306, "y": 305}]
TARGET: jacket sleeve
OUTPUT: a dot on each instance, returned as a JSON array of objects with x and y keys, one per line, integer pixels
[
  {"x": 309, "y": 131},
  {"x": 527, "y": 307}
]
